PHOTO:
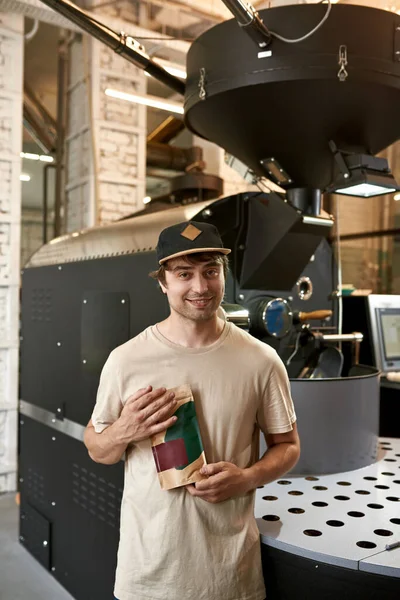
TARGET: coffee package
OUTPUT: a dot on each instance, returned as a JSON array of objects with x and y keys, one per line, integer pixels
[{"x": 178, "y": 451}]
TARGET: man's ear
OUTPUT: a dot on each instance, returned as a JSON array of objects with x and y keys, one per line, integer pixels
[{"x": 163, "y": 287}]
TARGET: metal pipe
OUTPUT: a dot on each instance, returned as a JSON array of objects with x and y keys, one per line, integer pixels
[
  {"x": 45, "y": 199},
  {"x": 344, "y": 337},
  {"x": 37, "y": 131},
  {"x": 61, "y": 86},
  {"x": 174, "y": 158},
  {"x": 47, "y": 117},
  {"x": 122, "y": 44},
  {"x": 248, "y": 18}
]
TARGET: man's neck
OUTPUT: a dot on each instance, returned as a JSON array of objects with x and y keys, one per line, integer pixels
[{"x": 191, "y": 334}]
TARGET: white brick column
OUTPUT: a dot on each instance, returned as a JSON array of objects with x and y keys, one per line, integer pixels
[
  {"x": 106, "y": 138},
  {"x": 11, "y": 70}
]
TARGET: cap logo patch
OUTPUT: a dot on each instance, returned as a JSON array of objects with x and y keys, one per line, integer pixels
[{"x": 191, "y": 232}]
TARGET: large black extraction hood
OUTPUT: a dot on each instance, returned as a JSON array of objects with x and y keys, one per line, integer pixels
[{"x": 275, "y": 105}]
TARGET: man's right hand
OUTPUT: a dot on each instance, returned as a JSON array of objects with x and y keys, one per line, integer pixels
[{"x": 145, "y": 413}]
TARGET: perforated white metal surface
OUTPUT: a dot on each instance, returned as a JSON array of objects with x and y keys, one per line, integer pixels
[{"x": 346, "y": 519}]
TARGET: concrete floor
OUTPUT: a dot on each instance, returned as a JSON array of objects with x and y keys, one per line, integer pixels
[{"x": 21, "y": 576}]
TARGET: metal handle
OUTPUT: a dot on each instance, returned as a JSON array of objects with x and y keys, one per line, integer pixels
[
  {"x": 344, "y": 337},
  {"x": 315, "y": 314}
]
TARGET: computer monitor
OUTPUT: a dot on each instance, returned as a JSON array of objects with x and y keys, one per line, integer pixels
[{"x": 384, "y": 315}]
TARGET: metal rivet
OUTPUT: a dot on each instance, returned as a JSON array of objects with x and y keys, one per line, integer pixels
[
  {"x": 53, "y": 503},
  {"x": 123, "y": 301},
  {"x": 241, "y": 247},
  {"x": 241, "y": 297},
  {"x": 58, "y": 410},
  {"x": 207, "y": 212},
  {"x": 58, "y": 344},
  {"x": 346, "y": 175},
  {"x": 45, "y": 543},
  {"x": 21, "y": 422},
  {"x": 60, "y": 268},
  {"x": 85, "y": 301},
  {"x": 53, "y": 420},
  {"x": 53, "y": 439},
  {"x": 21, "y": 480},
  {"x": 84, "y": 361},
  {"x": 21, "y": 538},
  {"x": 53, "y": 569}
]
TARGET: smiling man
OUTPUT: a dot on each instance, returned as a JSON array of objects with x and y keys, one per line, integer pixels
[{"x": 201, "y": 541}]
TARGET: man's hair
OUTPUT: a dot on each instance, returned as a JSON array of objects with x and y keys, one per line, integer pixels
[{"x": 193, "y": 259}]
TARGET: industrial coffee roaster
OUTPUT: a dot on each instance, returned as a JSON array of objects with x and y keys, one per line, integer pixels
[{"x": 283, "y": 110}]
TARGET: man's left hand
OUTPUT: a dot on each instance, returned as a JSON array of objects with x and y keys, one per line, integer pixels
[{"x": 225, "y": 480}]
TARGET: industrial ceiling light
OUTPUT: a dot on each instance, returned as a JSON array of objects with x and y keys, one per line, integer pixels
[
  {"x": 362, "y": 175},
  {"x": 41, "y": 157},
  {"x": 152, "y": 101}
]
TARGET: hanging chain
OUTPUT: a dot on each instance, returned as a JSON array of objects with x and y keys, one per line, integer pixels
[
  {"x": 343, "y": 74},
  {"x": 202, "y": 83}
]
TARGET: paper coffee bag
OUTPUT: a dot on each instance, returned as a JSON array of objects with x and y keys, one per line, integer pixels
[{"x": 178, "y": 451}]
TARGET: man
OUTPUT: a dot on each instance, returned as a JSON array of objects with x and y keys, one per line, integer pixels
[{"x": 197, "y": 542}]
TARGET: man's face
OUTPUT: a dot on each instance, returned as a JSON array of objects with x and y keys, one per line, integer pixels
[{"x": 194, "y": 291}]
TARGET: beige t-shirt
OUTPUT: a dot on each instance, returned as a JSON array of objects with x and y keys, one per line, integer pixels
[{"x": 174, "y": 546}]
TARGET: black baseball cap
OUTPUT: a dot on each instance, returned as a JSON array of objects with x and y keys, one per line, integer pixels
[{"x": 189, "y": 237}]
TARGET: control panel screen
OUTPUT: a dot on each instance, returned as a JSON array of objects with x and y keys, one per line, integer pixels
[{"x": 390, "y": 321}]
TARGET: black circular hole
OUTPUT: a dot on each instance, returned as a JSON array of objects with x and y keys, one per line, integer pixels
[
  {"x": 335, "y": 523},
  {"x": 297, "y": 511},
  {"x": 356, "y": 514},
  {"x": 382, "y": 487},
  {"x": 393, "y": 498},
  {"x": 320, "y": 488},
  {"x": 390, "y": 459},
  {"x": 295, "y": 493},
  {"x": 395, "y": 521},
  {"x": 383, "y": 532},
  {"x": 366, "y": 544},
  {"x": 343, "y": 483},
  {"x": 385, "y": 443},
  {"x": 320, "y": 504},
  {"x": 260, "y": 487},
  {"x": 389, "y": 474},
  {"x": 312, "y": 532},
  {"x": 397, "y": 454},
  {"x": 371, "y": 478},
  {"x": 284, "y": 482},
  {"x": 362, "y": 492},
  {"x": 375, "y": 506},
  {"x": 271, "y": 518},
  {"x": 396, "y": 481},
  {"x": 342, "y": 498},
  {"x": 270, "y": 498},
  {"x": 312, "y": 478}
]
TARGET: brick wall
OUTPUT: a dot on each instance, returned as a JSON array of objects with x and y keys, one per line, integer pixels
[
  {"x": 11, "y": 65},
  {"x": 106, "y": 138},
  {"x": 31, "y": 233}
]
